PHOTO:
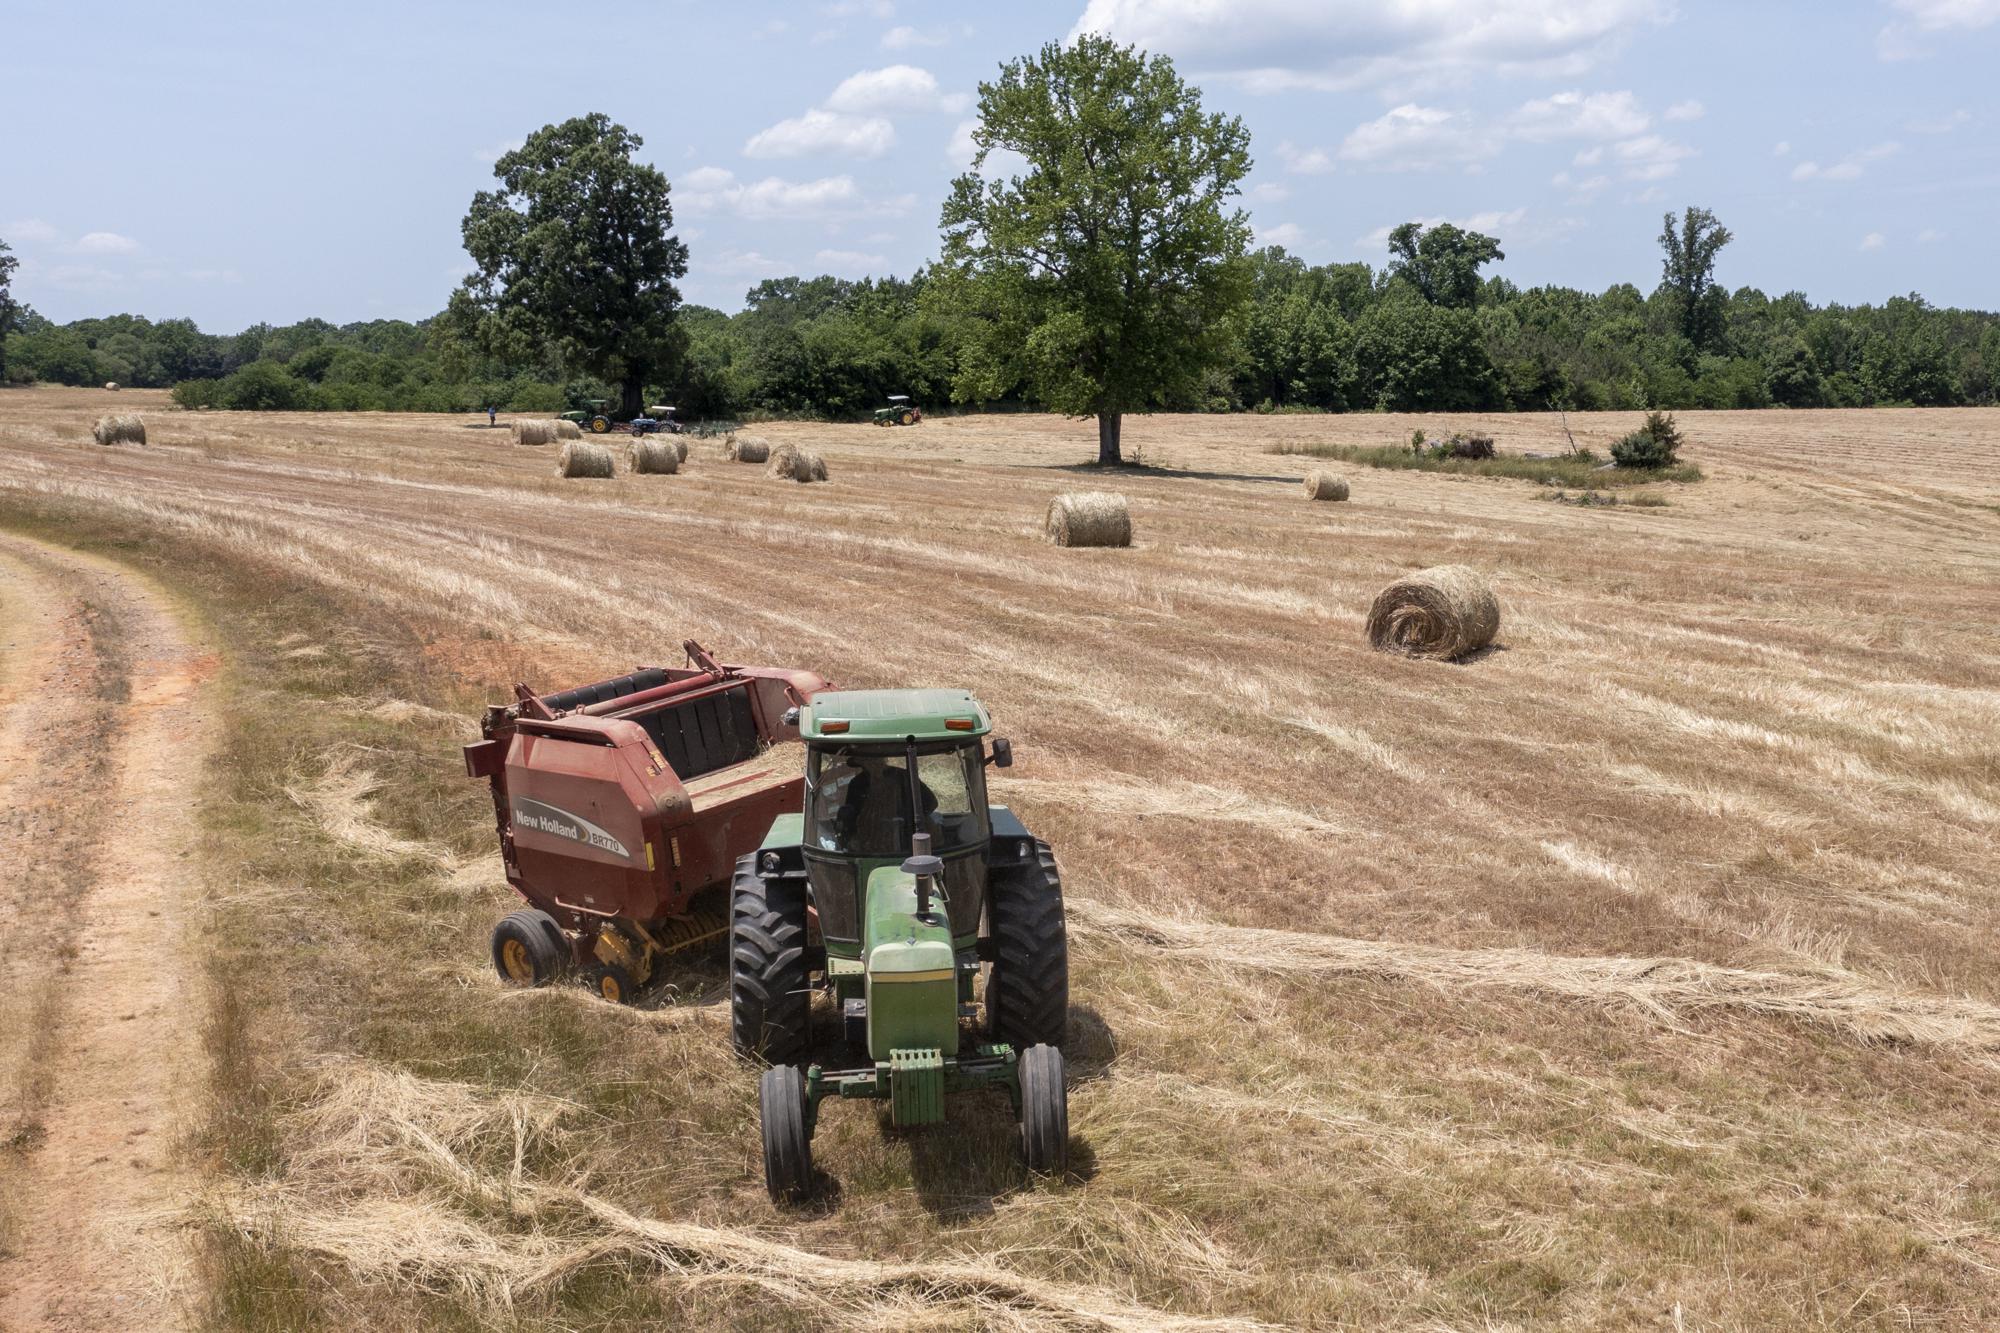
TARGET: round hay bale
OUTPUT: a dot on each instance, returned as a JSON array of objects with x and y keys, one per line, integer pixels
[
  {"x": 654, "y": 456},
  {"x": 567, "y": 430},
  {"x": 1090, "y": 518},
  {"x": 1325, "y": 486},
  {"x": 583, "y": 458},
  {"x": 112, "y": 385},
  {"x": 1446, "y": 612},
  {"x": 746, "y": 449},
  {"x": 534, "y": 432},
  {"x": 795, "y": 464},
  {"x": 119, "y": 430}
]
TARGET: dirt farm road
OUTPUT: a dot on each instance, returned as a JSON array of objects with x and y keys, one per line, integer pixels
[{"x": 101, "y": 739}]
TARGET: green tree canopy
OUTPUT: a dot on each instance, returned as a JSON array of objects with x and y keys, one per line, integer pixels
[
  {"x": 1442, "y": 262},
  {"x": 1109, "y": 276},
  {"x": 575, "y": 255},
  {"x": 1688, "y": 269},
  {"x": 7, "y": 307}
]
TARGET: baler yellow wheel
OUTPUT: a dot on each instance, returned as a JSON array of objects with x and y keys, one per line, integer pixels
[
  {"x": 514, "y": 958},
  {"x": 611, "y": 982}
]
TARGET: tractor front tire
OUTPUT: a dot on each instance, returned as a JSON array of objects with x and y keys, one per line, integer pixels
[
  {"x": 529, "y": 948},
  {"x": 788, "y": 1156},
  {"x": 770, "y": 1008},
  {"x": 1027, "y": 990},
  {"x": 1044, "y": 1111}
]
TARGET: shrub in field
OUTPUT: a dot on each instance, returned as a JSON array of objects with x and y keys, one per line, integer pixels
[{"x": 1653, "y": 445}]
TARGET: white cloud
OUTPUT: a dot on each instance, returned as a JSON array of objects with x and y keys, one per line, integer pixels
[
  {"x": 714, "y": 189},
  {"x": 1417, "y": 138},
  {"x": 961, "y": 149},
  {"x": 78, "y": 278},
  {"x": 848, "y": 261},
  {"x": 1581, "y": 191},
  {"x": 898, "y": 88},
  {"x": 1929, "y": 236},
  {"x": 104, "y": 243},
  {"x": 1573, "y": 115},
  {"x": 1270, "y": 44},
  {"x": 1783, "y": 148},
  {"x": 1287, "y": 234},
  {"x": 30, "y": 231},
  {"x": 1849, "y": 167},
  {"x": 820, "y": 132},
  {"x": 905, "y": 37},
  {"x": 491, "y": 155},
  {"x": 1942, "y": 124},
  {"x": 1268, "y": 192},
  {"x": 1304, "y": 161},
  {"x": 846, "y": 9},
  {"x": 1649, "y": 157},
  {"x": 1688, "y": 110},
  {"x": 1874, "y": 240},
  {"x": 1899, "y": 40},
  {"x": 749, "y": 264}
]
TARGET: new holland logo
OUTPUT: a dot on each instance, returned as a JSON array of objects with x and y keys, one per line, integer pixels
[{"x": 562, "y": 824}]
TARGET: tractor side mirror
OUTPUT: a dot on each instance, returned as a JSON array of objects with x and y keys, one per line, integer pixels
[{"x": 1003, "y": 753}]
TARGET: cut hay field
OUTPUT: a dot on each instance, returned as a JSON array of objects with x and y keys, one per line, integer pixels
[{"x": 1637, "y": 973}]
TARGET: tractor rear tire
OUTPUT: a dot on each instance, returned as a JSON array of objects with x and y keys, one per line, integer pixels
[
  {"x": 788, "y": 1157},
  {"x": 1044, "y": 1111},
  {"x": 529, "y": 948},
  {"x": 600, "y": 425},
  {"x": 770, "y": 1007},
  {"x": 1027, "y": 990}
]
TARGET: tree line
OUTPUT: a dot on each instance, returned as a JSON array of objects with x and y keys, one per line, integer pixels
[{"x": 1127, "y": 287}]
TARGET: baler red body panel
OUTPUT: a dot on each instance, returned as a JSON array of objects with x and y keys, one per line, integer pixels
[{"x": 626, "y": 798}]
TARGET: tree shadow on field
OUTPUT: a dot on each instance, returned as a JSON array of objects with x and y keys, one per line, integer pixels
[{"x": 1150, "y": 470}]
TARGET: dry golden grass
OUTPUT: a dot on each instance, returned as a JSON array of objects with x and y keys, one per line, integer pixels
[{"x": 1640, "y": 965}]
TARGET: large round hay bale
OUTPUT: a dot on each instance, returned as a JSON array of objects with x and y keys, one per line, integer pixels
[
  {"x": 795, "y": 464},
  {"x": 746, "y": 449},
  {"x": 584, "y": 458},
  {"x": 1090, "y": 518},
  {"x": 655, "y": 455},
  {"x": 1325, "y": 486},
  {"x": 120, "y": 429},
  {"x": 534, "y": 432},
  {"x": 1446, "y": 612},
  {"x": 567, "y": 429},
  {"x": 112, "y": 385}
]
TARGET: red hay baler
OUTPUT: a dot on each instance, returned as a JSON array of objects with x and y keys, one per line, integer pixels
[{"x": 621, "y": 801}]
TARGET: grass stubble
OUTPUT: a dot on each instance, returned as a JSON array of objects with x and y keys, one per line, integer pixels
[{"x": 1636, "y": 968}]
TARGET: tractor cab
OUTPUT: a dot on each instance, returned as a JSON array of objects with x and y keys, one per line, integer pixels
[
  {"x": 891, "y": 893},
  {"x": 899, "y": 412}
]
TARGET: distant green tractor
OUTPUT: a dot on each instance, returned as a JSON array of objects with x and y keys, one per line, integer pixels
[
  {"x": 594, "y": 415},
  {"x": 899, "y": 412},
  {"x": 889, "y": 895}
]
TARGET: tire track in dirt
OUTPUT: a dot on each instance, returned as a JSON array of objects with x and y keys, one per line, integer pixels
[{"x": 101, "y": 739}]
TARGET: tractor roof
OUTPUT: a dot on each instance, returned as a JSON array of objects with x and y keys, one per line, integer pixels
[
  {"x": 899, "y": 398},
  {"x": 893, "y": 715}
]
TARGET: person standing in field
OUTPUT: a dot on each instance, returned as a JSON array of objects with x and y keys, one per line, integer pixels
[{"x": 491, "y": 413}]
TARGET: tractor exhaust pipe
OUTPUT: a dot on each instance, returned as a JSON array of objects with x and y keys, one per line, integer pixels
[{"x": 924, "y": 868}]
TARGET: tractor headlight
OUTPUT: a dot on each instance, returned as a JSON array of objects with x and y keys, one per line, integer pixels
[{"x": 770, "y": 863}]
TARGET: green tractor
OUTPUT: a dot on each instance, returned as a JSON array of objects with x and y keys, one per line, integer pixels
[
  {"x": 889, "y": 895},
  {"x": 593, "y": 414},
  {"x": 900, "y": 412}
]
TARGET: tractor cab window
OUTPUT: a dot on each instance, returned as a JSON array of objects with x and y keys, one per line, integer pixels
[{"x": 858, "y": 800}]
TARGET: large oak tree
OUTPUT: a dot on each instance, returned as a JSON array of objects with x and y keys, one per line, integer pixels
[
  {"x": 576, "y": 256},
  {"x": 1108, "y": 274}
]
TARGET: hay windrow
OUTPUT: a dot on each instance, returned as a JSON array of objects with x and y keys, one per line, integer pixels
[
  {"x": 535, "y": 432},
  {"x": 1665, "y": 990},
  {"x": 791, "y": 463},
  {"x": 746, "y": 449},
  {"x": 652, "y": 456},
  {"x": 122, "y": 428},
  {"x": 1089, "y": 518},
  {"x": 1446, "y": 612},
  {"x": 567, "y": 429},
  {"x": 582, "y": 458},
  {"x": 446, "y": 1187},
  {"x": 1325, "y": 486}
]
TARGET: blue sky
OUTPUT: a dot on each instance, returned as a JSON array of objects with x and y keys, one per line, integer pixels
[{"x": 238, "y": 162}]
